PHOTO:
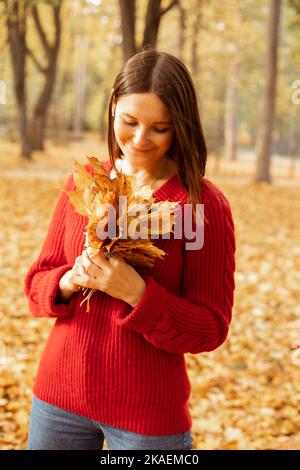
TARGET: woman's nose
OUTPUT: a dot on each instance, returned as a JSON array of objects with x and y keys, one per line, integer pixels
[{"x": 140, "y": 136}]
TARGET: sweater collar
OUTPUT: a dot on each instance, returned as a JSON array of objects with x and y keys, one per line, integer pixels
[{"x": 172, "y": 190}]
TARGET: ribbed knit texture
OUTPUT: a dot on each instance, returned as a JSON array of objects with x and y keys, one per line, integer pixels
[{"x": 125, "y": 366}]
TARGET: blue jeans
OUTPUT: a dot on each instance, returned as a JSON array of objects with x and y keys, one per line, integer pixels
[{"x": 53, "y": 428}]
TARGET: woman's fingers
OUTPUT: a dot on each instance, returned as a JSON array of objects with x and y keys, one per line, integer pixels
[
  {"x": 85, "y": 273},
  {"x": 80, "y": 279},
  {"x": 93, "y": 268},
  {"x": 78, "y": 269},
  {"x": 100, "y": 261},
  {"x": 86, "y": 281}
]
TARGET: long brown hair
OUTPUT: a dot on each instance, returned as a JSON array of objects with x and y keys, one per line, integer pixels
[{"x": 167, "y": 77}]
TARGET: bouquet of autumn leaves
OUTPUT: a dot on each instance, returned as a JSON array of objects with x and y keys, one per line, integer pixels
[{"x": 96, "y": 194}]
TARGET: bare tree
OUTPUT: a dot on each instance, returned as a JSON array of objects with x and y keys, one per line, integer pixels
[
  {"x": 39, "y": 117},
  {"x": 195, "y": 41},
  {"x": 81, "y": 46},
  {"x": 264, "y": 142},
  {"x": 232, "y": 88},
  {"x": 17, "y": 13},
  {"x": 182, "y": 29},
  {"x": 296, "y": 5},
  {"x": 127, "y": 10},
  {"x": 230, "y": 120},
  {"x": 153, "y": 17}
]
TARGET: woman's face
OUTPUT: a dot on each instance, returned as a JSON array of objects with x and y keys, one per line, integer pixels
[{"x": 143, "y": 128}]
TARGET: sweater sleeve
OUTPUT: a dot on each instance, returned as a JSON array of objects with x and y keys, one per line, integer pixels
[
  {"x": 197, "y": 321},
  {"x": 42, "y": 279}
]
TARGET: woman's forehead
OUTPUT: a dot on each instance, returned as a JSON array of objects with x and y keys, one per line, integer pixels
[{"x": 147, "y": 105}]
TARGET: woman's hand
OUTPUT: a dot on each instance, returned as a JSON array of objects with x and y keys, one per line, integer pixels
[
  {"x": 111, "y": 275},
  {"x": 66, "y": 284}
]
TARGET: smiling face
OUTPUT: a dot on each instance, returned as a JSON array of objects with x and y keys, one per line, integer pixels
[{"x": 143, "y": 128}]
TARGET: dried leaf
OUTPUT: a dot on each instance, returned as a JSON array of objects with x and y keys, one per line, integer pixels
[{"x": 96, "y": 194}]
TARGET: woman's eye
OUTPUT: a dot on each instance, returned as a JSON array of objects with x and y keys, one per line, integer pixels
[{"x": 161, "y": 131}]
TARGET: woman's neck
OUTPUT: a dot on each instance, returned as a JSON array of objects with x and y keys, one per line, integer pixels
[
  {"x": 145, "y": 176},
  {"x": 152, "y": 170}
]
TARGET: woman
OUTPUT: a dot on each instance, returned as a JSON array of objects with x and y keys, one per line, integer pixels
[{"x": 119, "y": 372}]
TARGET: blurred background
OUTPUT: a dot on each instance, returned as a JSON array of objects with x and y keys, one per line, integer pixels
[{"x": 58, "y": 62}]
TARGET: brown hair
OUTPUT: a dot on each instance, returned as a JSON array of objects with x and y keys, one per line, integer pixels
[{"x": 167, "y": 77}]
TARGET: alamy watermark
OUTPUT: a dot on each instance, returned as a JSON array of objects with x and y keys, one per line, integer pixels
[
  {"x": 296, "y": 94},
  {"x": 185, "y": 224},
  {"x": 2, "y": 92}
]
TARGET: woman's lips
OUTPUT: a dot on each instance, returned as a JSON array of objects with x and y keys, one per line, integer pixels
[{"x": 139, "y": 150}]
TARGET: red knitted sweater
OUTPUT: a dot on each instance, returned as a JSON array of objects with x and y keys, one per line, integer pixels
[{"x": 125, "y": 366}]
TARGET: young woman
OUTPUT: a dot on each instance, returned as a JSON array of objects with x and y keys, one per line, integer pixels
[{"x": 118, "y": 372}]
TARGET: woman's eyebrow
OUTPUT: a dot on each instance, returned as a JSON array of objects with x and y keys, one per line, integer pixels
[{"x": 157, "y": 122}]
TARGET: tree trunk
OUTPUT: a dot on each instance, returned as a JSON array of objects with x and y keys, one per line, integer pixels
[
  {"x": 16, "y": 26},
  {"x": 38, "y": 123},
  {"x": 294, "y": 148},
  {"x": 81, "y": 47},
  {"x": 127, "y": 10},
  {"x": 153, "y": 17},
  {"x": 23, "y": 127},
  {"x": 182, "y": 28},
  {"x": 264, "y": 141},
  {"x": 195, "y": 41},
  {"x": 230, "y": 111},
  {"x": 152, "y": 23},
  {"x": 103, "y": 114},
  {"x": 39, "y": 119},
  {"x": 194, "y": 58}
]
